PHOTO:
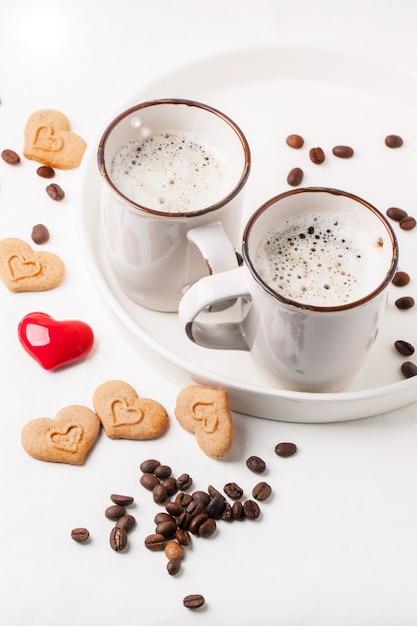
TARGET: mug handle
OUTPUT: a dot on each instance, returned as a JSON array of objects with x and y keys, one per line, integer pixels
[
  {"x": 209, "y": 292},
  {"x": 215, "y": 247}
]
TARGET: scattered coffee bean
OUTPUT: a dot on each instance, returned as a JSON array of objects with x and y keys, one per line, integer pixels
[
  {"x": 183, "y": 499},
  {"x": 149, "y": 466},
  {"x": 227, "y": 512},
  {"x": 393, "y": 141},
  {"x": 401, "y": 279},
  {"x": 10, "y": 156},
  {"x": 154, "y": 542},
  {"x": 404, "y": 347},
  {"x": 44, "y": 171},
  {"x": 215, "y": 507},
  {"x": 80, "y": 534},
  {"x": 201, "y": 496},
  {"x": 237, "y": 510},
  {"x": 166, "y": 528},
  {"x": 396, "y": 214},
  {"x": 184, "y": 482},
  {"x": 114, "y": 511},
  {"x": 174, "y": 566},
  {"x": 295, "y": 176},
  {"x": 127, "y": 522},
  {"x": 343, "y": 152},
  {"x": 118, "y": 539},
  {"x": 196, "y": 522},
  {"x": 160, "y": 494},
  {"x": 174, "y": 550},
  {"x": 215, "y": 493},
  {"x": 162, "y": 471},
  {"x": 261, "y": 491},
  {"x": 55, "y": 192},
  {"x": 251, "y": 509},
  {"x": 183, "y": 537},
  {"x": 408, "y": 223},
  {"x": 149, "y": 481},
  {"x": 207, "y": 528},
  {"x": 233, "y": 491},
  {"x": 40, "y": 234},
  {"x": 193, "y": 601},
  {"x": 170, "y": 485},
  {"x": 162, "y": 516},
  {"x": 295, "y": 141},
  {"x": 317, "y": 155},
  {"x": 409, "y": 369},
  {"x": 121, "y": 500},
  {"x": 195, "y": 508},
  {"x": 407, "y": 302},
  {"x": 285, "y": 449},
  {"x": 173, "y": 508},
  {"x": 256, "y": 464}
]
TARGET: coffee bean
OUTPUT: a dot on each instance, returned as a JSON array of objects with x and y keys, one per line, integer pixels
[
  {"x": 163, "y": 516},
  {"x": 193, "y": 601},
  {"x": 55, "y": 192},
  {"x": 174, "y": 508},
  {"x": 207, "y": 528},
  {"x": 251, "y": 509},
  {"x": 184, "y": 482},
  {"x": 393, "y": 141},
  {"x": 184, "y": 520},
  {"x": 149, "y": 466},
  {"x": 80, "y": 534},
  {"x": 195, "y": 508},
  {"x": 196, "y": 522},
  {"x": 317, "y": 155},
  {"x": 343, "y": 152},
  {"x": 295, "y": 176},
  {"x": 149, "y": 481},
  {"x": 118, "y": 539},
  {"x": 408, "y": 223},
  {"x": 10, "y": 156},
  {"x": 127, "y": 522},
  {"x": 261, "y": 491},
  {"x": 404, "y": 348},
  {"x": 174, "y": 550},
  {"x": 215, "y": 493},
  {"x": 401, "y": 279},
  {"x": 170, "y": 485},
  {"x": 162, "y": 471},
  {"x": 114, "y": 511},
  {"x": 154, "y": 542},
  {"x": 233, "y": 491},
  {"x": 407, "y": 302},
  {"x": 183, "y": 499},
  {"x": 121, "y": 500},
  {"x": 215, "y": 507},
  {"x": 396, "y": 214},
  {"x": 295, "y": 141},
  {"x": 256, "y": 464},
  {"x": 174, "y": 566},
  {"x": 237, "y": 510},
  {"x": 166, "y": 529},
  {"x": 160, "y": 494},
  {"x": 285, "y": 449},
  {"x": 44, "y": 171},
  {"x": 40, "y": 234},
  {"x": 201, "y": 496},
  {"x": 183, "y": 537},
  {"x": 227, "y": 512},
  {"x": 409, "y": 369}
]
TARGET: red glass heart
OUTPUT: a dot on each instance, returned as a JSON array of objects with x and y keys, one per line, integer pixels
[{"x": 54, "y": 343}]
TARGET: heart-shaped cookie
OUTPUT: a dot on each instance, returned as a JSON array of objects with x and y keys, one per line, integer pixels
[
  {"x": 55, "y": 343},
  {"x": 23, "y": 269},
  {"x": 49, "y": 140},
  {"x": 65, "y": 439},
  {"x": 126, "y": 416}
]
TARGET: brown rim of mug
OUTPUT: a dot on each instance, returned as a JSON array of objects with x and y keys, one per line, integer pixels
[
  {"x": 336, "y": 192},
  {"x": 192, "y": 103}
]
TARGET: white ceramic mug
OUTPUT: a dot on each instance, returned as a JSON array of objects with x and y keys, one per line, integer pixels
[
  {"x": 172, "y": 174},
  {"x": 341, "y": 257}
]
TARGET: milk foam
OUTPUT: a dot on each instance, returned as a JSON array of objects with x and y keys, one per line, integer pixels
[
  {"x": 322, "y": 259},
  {"x": 170, "y": 171}
]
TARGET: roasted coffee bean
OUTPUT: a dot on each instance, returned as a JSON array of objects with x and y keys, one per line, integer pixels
[
  {"x": 215, "y": 507},
  {"x": 201, "y": 496},
  {"x": 162, "y": 471},
  {"x": 174, "y": 566},
  {"x": 170, "y": 485},
  {"x": 115, "y": 511},
  {"x": 184, "y": 520},
  {"x": 183, "y": 499},
  {"x": 393, "y": 141},
  {"x": 121, "y": 500},
  {"x": 295, "y": 141},
  {"x": 401, "y": 279},
  {"x": 183, "y": 537},
  {"x": 80, "y": 534},
  {"x": 160, "y": 494},
  {"x": 408, "y": 223},
  {"x": 295, "y": 176},
  {"x": 233, "y": 491},
  {"x": 163, "y": 516},
  {"x": 118, "y": 539},
  {"x": 317, "y": 155},
  {"x": 55, "y": 192},
  {"x": 149, "y": 466},
  {"x": 256, "y": 464},
  {"x": 396, "y": 213},
  {"x": 227, "y": 512},
  {"x": 174, "y": 508},
  {"x": 237, "y": 510},
  {"x": 261, "y": 491},
  {"x": 127, "y": 522},
  {"x": 215, "y": 493},
  {"x": 40, "y": 234},
  {"x": 149, "y": 481},
  {"x": 196, "y": 522},
  {"x": 173, "y": 550},
  {"x": 154, "y": 542},
  {"x": 343, "y": 152},
  {"x": 10, "y": 156},
  {"x": 184, "y": 482},
  {"x": 193, "y": 601},
  {"x": 407, "y": 302},
  {"x": 195, "y": 507},
  {"x": 207, "y": 528},
  {"x": 409, "y": 369},
  {"x": 44, "y": 171},
  {"x": 404, "y": 348},
  {"x": 166, "y": 528},
  {"x": 251, "y": 509},
  {"x": 285, "y": 449}
]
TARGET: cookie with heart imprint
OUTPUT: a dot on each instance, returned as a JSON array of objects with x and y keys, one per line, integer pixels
[
  {"x": 65, "y": 439},
  {"x": 205, "y": 412},
  {"x": 124, "y": 415},
  {"x": 49, "y": 140},
  {"x": 24, "y": 269}
]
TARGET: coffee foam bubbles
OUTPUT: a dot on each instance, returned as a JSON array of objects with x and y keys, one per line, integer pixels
[
  {"x": 170, "y": 171},
  {"x": 322, "y": 259}
]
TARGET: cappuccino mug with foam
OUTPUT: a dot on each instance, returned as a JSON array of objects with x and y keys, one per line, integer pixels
[
  {"x": 172, "y": 175},
  {"x": 318, "y": 263}
]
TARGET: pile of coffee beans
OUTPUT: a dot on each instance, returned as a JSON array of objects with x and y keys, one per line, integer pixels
[{"x": 124, "y": 522}]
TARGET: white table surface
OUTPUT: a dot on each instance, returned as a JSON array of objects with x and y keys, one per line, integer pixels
[{"x": 337, "y": 543}]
